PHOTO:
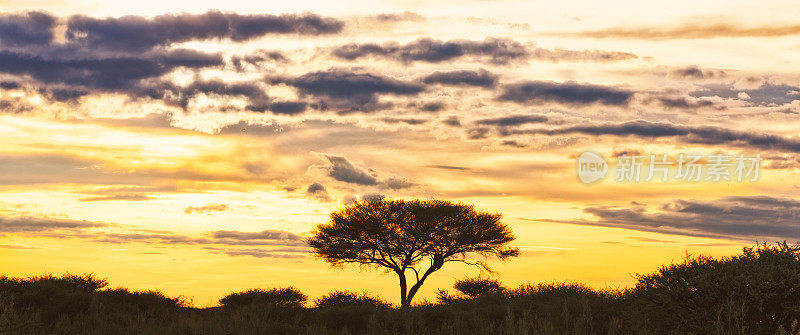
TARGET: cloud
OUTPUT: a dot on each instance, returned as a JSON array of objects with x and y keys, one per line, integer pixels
[
  {"x": 452, "y": 121},
  {"x": 130, "y": 54},
  {"x": 570, "y": 93},
  {"x": 695, "y": 72},
  {"x": 318, "y": 191},
  {"x": 206, "y": 209},
  {"x": 220, "y": 237},
  {"x": 766, "y": 94},
  {"x": 746, "y": 218},
  {"x": 347, "y": 90},
  {"x": 449, "y": 167},
  {"x": 497, "y": 50},
  {"x": 480, "y": 78},
  {"x": 558, "y": 55},
  {"x": 181, "y": 96},
  {"x": 688, "y": 134},
  {"x": 33, "y": 224},
  {"x": 136, "y": 33},
  {"x": 112, "y": 74},
  {"x": 397, "y": 183},
  {"x": 500, "y": 51},
  {"x": 683, "y": 103},
  {"x": 265, "y": 253},
  {"x": 372, "y": 197},
  {"x": 125, "y": 197},
  {"x": 279, "y": 243},
  {"x": 409, "y": 121},
  {"x": 514, "y": 120},
  {"x": 262, "y": 235},
  {"x": 287, "y": 107},
  {"x": 691, "y": 30},
  {"x": 27, "y": 29},
  {"x": 398, "y": 17},
  {"x": 342, "y": 170}
]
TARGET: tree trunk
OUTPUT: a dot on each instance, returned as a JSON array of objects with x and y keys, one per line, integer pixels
[{"x": 403, "y": 290}]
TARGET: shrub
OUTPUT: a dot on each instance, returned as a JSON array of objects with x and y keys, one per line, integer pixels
[
  {"x": 757, "y": 292},
  {"x": 289, "y": 296},
  {"x": 53, "y": 297},
  {"x": 347, "y": 298},
  {"x": 475, "y": 287},
  {"x": 120, "y": 299}
]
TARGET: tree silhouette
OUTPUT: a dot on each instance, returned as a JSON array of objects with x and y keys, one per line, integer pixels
[{"x": 401, "y": 235}]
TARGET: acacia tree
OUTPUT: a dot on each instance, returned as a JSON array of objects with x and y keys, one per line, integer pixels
[{"x": 411, "y": 238}]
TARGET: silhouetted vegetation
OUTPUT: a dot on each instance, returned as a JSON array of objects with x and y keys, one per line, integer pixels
[
  {"x": 289, "y": 296},
  {"x": 402, "y": 235},
  {"x": 756, "y": 292}
]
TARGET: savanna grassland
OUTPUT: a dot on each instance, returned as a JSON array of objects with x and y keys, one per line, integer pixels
[{"x": 754, "y": 292}]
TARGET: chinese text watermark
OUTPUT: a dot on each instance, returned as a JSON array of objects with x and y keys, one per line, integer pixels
[{"x": 686, "y": 167}]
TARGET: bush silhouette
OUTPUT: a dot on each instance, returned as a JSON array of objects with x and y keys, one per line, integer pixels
[
  {"x": 289, "y": 296},
  {"x": 52, "y": 296},
  {"x": 121, "y": 299},
  {"x": 757, "y": 292},
  {"x": 475, "y": 287},
  {"x": 347, "y": 298}
]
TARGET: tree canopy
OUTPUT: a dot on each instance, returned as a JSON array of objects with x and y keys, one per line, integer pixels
[{"x": 414, "y": 237}]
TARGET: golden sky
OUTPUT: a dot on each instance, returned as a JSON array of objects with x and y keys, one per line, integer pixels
[{"x": 191, "y": 146}]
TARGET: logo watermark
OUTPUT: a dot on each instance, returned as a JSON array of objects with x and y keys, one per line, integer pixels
[
  {"x": 591, "y": 167},
  {"x": 687, "y": 167}
]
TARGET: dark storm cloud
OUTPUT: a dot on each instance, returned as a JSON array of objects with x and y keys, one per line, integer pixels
[
  {"x": 481, "y": 78},
  {"x": 687, "y": 134},
  {"x": 349, "y": 91},
  {"x": 34, "y": 224},
  {"x": 27, "y": 29},
  {"x": 747, "y": 218},
  {"x": 342, "y": 170},
  {"x": 514, "y": 120},
  {"x": 495, "y": 50},
  {"x": 571, "y": 93},
  {"x": 766, "y": 94},
  {"x": 136, "y": 33}
]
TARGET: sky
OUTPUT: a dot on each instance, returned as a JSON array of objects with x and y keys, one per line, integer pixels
[{"x": 192, "y": 146}]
